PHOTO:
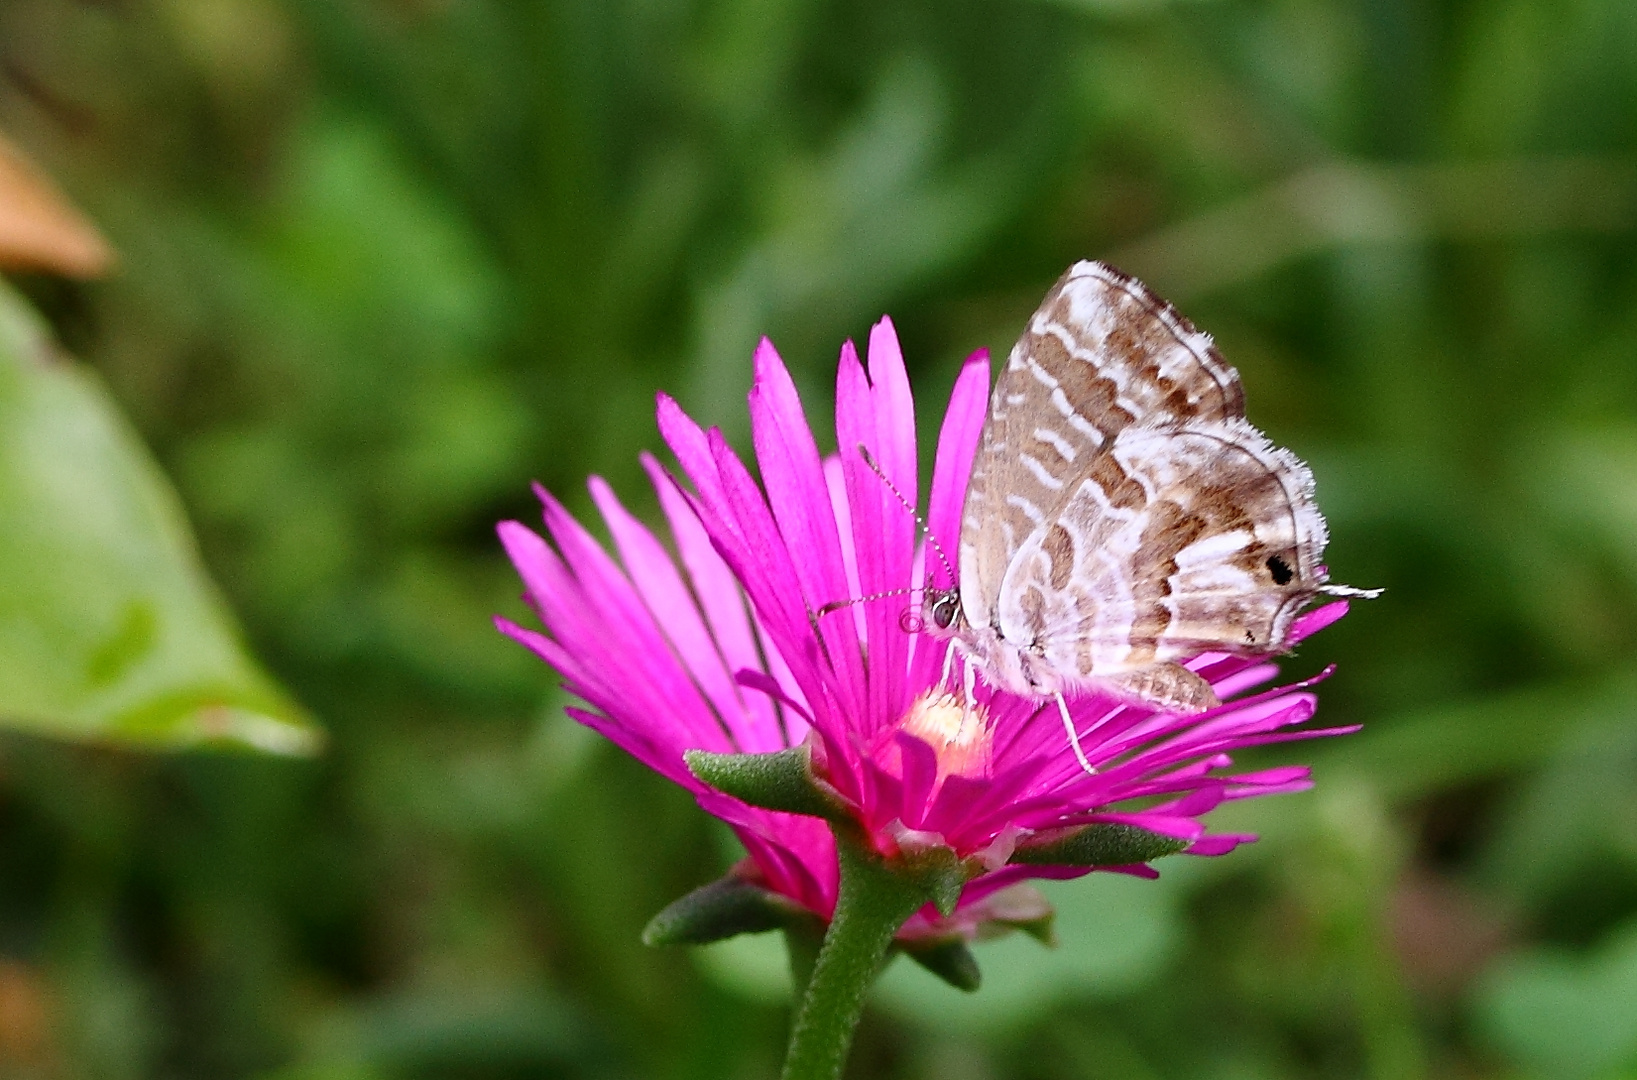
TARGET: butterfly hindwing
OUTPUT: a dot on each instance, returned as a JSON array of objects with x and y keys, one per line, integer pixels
[{"x": 1219, "y": 555}]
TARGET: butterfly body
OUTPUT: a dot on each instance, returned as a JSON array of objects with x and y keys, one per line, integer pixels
[{"x": 1122, "y": 514}]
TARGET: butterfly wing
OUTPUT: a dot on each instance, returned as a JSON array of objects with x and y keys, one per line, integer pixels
[
  {"x": 1100, "y": 355},
  {"x": 1219, "y": 554},
  {"x": 1123, "y": 514}
]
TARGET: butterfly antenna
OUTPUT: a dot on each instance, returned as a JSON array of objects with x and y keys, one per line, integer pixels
[
  {"x": 837, "y": 605},
  {"x": 926, "y": 530}
]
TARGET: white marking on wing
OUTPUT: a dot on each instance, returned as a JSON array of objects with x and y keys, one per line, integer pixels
[
  {"x": 1176, "y": 358},
  {"x": 1056, "y": 442},
  {"x": 1151, "y": 486},
  {"x": 1030, "y": 510},
  {"x": 1041, "y": 374},
  {"x": 1212, "y": 549},
  {"x": 1220, "y": 578},
  {"x": 1086, "y": 428},
  {"x": 1085, "y": 344},
  {"x": 1040, "y": 473},
  {"x": 1095, "y": 607}
]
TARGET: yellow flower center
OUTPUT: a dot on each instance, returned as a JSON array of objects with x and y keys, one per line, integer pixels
[{"x": 958, "y": 733}]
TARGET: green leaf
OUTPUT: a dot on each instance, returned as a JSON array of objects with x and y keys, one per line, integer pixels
[
  {"x": 109, "y": 628},
  {"x": 725, "y": 908},
  {"x": 950, "y": 959},
  {"x": 782, "y": 780},
  {"x": 1100, "y": 845}
]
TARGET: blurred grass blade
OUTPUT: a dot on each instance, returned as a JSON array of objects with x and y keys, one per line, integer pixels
[
  {"x": 1343, "y": 203},
  {"x": 109, "y": 628},
  {"x": 1417, "y": 754}
]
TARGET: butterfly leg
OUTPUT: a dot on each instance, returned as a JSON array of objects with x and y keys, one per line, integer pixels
[
  {"x": 949, "y": 664},
  {"x": 1074, "y": 736}
]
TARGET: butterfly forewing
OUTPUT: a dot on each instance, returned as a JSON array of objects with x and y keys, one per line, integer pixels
[
  {"x": 1122, "y": 512},
  {"x": 1100, "y": 354}
]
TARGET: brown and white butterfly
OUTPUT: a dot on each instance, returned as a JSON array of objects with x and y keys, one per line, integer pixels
[{"x": 1122, "y": 515}]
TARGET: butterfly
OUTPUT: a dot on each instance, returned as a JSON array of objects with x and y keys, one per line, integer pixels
[{"x": 1123, "y": 516}]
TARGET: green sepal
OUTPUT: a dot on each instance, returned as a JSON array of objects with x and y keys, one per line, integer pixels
[
  {"x": 782, "y": 780},
  {"x": 1106, "y": 844},
  {"x": 1042, "y": 929},
  {"x": 939, "y": 873},
  {"x": 722, "y": 909},
  {"x": 947, "y": 958}
]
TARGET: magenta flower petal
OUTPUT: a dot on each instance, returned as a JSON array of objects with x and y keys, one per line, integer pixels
[
  {"x": 1218, "y": 845},
  {"x": 668, "y": 600},
  {"x": 894, "y": 446},
  {"x": 799, "y": 497},
  {"x": 871, "y": 505},
  {"x": 781, "y": 619},
  {"x": 724, "y": 607},
  {"x": 957, "y": 448}
]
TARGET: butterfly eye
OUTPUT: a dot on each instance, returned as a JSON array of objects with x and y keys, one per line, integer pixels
[
  {"x": 944, "y": 609},
  {"x": 1280, "y": 570}
]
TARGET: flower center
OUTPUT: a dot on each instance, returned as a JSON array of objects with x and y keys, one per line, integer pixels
[{"x": 958, "y": 734}]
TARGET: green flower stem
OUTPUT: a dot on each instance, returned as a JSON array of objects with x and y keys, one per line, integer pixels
[{"x": 873, "y": 903}]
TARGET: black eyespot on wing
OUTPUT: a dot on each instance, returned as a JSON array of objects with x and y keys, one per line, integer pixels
[{"x": 1281, "y": 571}]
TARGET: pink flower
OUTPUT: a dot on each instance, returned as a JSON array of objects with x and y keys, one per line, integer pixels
[{"x": 724, "y": 652}]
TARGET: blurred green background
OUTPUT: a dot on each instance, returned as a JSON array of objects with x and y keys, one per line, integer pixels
[{"x": 383, "y": 262}]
